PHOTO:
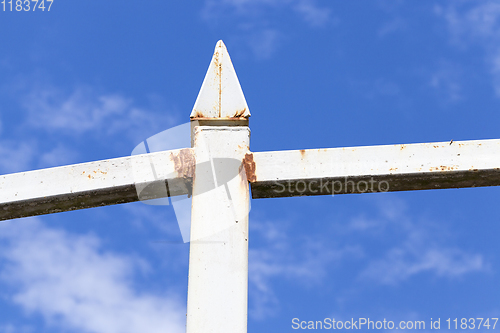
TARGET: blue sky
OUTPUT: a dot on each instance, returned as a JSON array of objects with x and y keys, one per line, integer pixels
[{"x": 91, "y": 80}]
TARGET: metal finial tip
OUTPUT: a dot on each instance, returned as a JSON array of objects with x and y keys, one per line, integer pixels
[{"x": 220, "y": 96}]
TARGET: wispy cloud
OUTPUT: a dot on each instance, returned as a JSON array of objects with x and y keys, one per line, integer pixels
[
  {"x": 395, "y": 25},
  {"x": 387, "y": 245},
  {"x": 422, "y": 248},
  {"x": 15, "y": 156},
  {"x": 54, "y": 119},
  {"x": 84, "y": 110},
  {"x": 9, "y": 328},
  {"x": 308, "y": 10},
  {"x": 73, "y": 284},
  {"x": 312, "y": 13},
  {"x": 77, "y": 112},
  {"x": 264, "y": 43},
  {"x": 377, "y": 88},
  {"x": 401, "y": 263},
  {"x": 257, "y": 22},
  {"x": 59, "y": 155},
  {"x": 445, "y": 81},
  {"x": 146, "y": 217},
  {"x": 476, "y": 23},
  {"x": 280, "y": 258}
]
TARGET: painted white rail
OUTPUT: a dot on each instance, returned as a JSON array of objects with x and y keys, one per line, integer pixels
[
  {"x": 94, "y": 184},
  {"x": 406, "y": 167}
]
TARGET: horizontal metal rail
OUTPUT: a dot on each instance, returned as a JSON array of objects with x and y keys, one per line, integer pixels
[
  {"x": 277, "y": 174},
  {"x": 403, "y": 167},
  {"x": 94, "y": 184}
]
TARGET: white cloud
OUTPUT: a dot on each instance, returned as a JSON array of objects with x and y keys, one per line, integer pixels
[
  {"x": 303, "y": 261},
  {"x": 83, "y": 110},
  {"x": 311, "y": 13},
  {"x": 9, "y": 328},
  {"x": 476, "y": 23},
  {"x": 52, "y": 116},
  {"x": 376, "y": 88},
  {"x": 402, "y": 263},
  {"x": 394, "y": 25},
  {"x": 308, "y": 10},
  {"x": 255, "y": 21},
  {"x": 144, "y": 216},
  {"x": 18, "y": 156},
  {"x": 472, "y": 19},
  {"x": 264, "y": 43},
  {"x": 78, "y": 112},
  {"x": 59, "y": 155},
  {"x": 422, "y": 248},
  {"x": 445, "y": 81},
  {"x": 15, "y": 156},
  {"x": 72, "y": 283}
]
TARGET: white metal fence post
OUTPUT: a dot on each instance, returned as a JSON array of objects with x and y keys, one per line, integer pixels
[{"x": 218, "y": 258}]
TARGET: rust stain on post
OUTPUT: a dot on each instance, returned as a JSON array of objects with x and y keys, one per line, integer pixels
[
  {"x": 240, "y": 113},
  {"x": 197, "y": 114},
  {"x": 444, "y": 168},
  {"x": 249, "y": 164}
]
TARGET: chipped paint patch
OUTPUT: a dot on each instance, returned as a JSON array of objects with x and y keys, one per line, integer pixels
[{"x": 184, "y": 163}]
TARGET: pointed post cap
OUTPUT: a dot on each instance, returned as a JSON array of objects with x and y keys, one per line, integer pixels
[{"x": 220, "y": 96}]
